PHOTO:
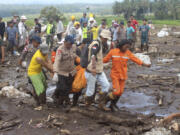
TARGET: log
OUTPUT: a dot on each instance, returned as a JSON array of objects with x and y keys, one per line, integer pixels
[
  {"x": 109, "y": 118},
  {"x": 7, "y": 125}
]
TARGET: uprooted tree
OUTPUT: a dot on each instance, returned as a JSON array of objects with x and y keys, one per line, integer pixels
[{"x": 51, "y": 13}]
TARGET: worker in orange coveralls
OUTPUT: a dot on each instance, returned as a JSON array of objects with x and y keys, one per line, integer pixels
[{"x": 120, "y": 57}]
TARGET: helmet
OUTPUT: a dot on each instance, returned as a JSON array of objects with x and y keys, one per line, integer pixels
[{"x": 73, "y": 18}]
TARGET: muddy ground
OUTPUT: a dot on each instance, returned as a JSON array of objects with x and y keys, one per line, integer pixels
[{"x": 150, "y": 94}]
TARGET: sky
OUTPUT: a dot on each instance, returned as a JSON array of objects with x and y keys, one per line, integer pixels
[{"x": 55, "y": 1}]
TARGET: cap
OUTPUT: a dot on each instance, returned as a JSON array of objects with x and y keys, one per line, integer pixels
[
  {"x": 23, "y": 17},
  {"x": 44, "y": 48},
  {"x": 70, "y": 39},
  {"x": 37, "y": 39},
  {"x": 106, "y": 34}
]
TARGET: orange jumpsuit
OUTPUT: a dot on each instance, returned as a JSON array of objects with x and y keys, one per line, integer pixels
[{"x": 119, "y": 68}]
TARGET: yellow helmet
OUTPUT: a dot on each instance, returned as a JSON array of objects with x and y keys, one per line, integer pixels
[
  {"x": 91, "y": 15},
  {"x": 73, "y": 18},
  {"x": 76, "y": 23}
]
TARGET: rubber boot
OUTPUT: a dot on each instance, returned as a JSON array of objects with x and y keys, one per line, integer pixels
[
  {"x": 113, "y": 106},
  {"x": 75, "y": 98},
  {"x": 61, "y": 100},
  {"x": 104, "y": 98},
  {"x": 88, "y": 101}
]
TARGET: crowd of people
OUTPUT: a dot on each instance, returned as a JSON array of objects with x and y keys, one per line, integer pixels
[{"x": 78, "y": 61}]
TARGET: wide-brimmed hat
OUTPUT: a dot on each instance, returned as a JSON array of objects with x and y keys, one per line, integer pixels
[
  {"x": 23, "y": 17},
  {"x": 106, "y": 34},
  {"x": 44, "y": 48}
]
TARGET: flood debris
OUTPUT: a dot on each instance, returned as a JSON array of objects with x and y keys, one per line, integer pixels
[{"x": 11, "y": 92}]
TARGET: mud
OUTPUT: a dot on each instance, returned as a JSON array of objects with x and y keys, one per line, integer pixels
[{"x": 150, "y": 93}]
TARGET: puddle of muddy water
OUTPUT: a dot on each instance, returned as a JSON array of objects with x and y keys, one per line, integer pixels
[{"x": 137, "y": 102}]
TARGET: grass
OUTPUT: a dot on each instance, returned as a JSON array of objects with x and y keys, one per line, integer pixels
[{"x": 109, "y": 18}]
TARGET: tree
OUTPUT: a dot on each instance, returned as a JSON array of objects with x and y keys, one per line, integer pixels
[{"x": 51, "y": 13}]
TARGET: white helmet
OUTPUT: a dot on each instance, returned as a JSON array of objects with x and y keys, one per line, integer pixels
[{"x": 23, "y": 17}]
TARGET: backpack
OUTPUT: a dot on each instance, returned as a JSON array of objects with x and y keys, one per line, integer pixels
[{"x": 85, "y": 55}]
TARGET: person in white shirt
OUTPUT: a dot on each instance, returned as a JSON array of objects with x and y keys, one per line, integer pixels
[
  {"x": 23, "y": 34},
  {"x": 70, "y": 25},
  {"x": 60, "y": 29}
]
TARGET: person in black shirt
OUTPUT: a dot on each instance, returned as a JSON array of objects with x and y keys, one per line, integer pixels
[
  {"x": 37, "y": 24},
  {"x": 2, "y": 30}
]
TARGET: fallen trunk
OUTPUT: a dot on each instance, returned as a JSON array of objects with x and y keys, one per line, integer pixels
[{"x": 138, "y": 125}]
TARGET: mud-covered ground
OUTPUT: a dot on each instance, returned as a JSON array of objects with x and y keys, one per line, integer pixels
[{"x": 150, "y": 93}]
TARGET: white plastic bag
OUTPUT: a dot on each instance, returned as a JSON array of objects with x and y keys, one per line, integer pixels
[
  {"x": 145, "y": 58},
  {"x": 55, "y": 78}
]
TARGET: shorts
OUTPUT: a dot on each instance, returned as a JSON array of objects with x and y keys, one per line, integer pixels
[{"x": 39, "y": 83}]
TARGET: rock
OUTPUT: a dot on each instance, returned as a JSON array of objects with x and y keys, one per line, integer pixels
[
  {"x": 175, "y": 127},
  {"x": 11, "y": 92},
  {"x": 65, "y": 131},
  {"x": 158, "y": 131}
]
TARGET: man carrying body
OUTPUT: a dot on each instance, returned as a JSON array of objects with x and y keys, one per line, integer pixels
[
  {"x": 36, "y": 75},
  {"x": 64, "y": 66},
  {"x": 94, "y": 71}
]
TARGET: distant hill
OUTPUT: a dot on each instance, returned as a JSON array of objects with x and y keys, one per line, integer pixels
[
  {"x": 54, "y": 1},
  {"x": 65, "y": 8}
]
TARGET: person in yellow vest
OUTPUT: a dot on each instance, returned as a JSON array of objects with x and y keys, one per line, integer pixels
[
  {"x": 50, "y": 31},
  {"x": 95, "y": 31},
  {"x": 36, "y": 75},
  {"x": 86, "y": 33}
]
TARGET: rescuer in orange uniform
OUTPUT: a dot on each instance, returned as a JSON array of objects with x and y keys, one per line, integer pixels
[{"x": 120, "y": 57}]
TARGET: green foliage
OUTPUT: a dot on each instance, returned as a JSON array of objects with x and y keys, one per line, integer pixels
[
  {"x": 51, "y": 13},
  {"x": 162, "y": 9}
]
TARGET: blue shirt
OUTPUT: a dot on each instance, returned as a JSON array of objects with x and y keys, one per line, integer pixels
[
  {"x": 83, "y": 20},
  {"x": 144, "y": 31},
  {"x": 129, "y": 32},
  {"x": 11, "y": 32}
]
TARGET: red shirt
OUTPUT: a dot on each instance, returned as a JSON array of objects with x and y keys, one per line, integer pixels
[{"x": 134, "y": 23}]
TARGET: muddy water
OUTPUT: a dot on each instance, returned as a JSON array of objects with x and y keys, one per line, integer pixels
[{"x": 138, "y": 102}]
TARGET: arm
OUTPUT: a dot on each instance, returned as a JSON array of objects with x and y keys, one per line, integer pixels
[
  {"x": 94, "y": 50},
  {"x": 45, "y": 64},
  {"x": 57, "y": 59},
  {"x": 24, "y": 54},
  {"x": 136, "y": 60},
  {"x": 107, "y": 57},
  {"x": 171, "y": 117},
  {"x": 77, "y": 60}
]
